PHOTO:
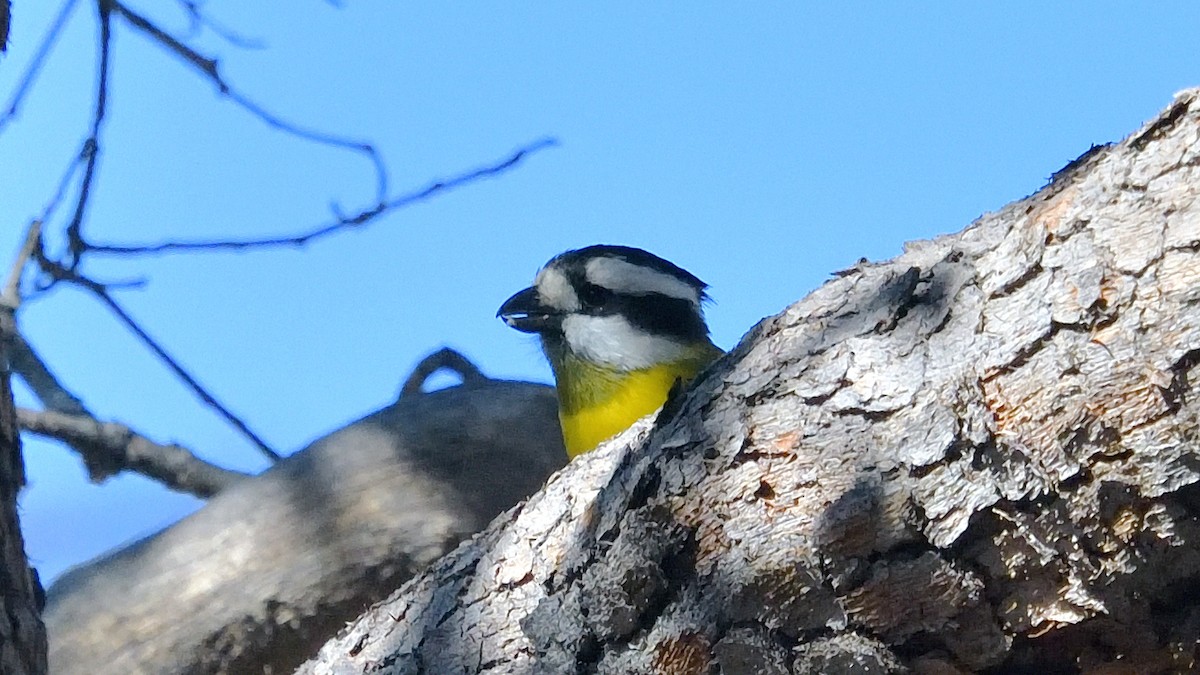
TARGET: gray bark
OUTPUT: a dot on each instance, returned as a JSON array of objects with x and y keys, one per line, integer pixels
[
  {"x": 979, "y": 455},
  {"x": 272, "y": 566}
]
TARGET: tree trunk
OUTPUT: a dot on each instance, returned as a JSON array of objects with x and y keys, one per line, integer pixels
[
  {"x": 22, "y": 634},
  {"x": 981, "y": 455},
  {"x": 272, "y": 566}
]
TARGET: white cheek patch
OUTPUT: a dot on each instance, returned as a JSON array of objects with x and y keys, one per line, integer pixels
[
  {"x": 613, "y": 341},
  {"x": 625, "y": 277},
  {"x": 555, "y": 290}
]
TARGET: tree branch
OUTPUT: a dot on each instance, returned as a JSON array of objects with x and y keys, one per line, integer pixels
[
  {"x": 10, "y": 297},
  {"x": 346, "y": 222},
  {"x": 209, "y": 68},
  {"x": 199, "y": 20},
  {"x": 35, "y": 66},
  {"x": 112, "y": 447},
  {"x": 33, "y": 370},
  {"x": 106, "y": 448},
  {"x": 188, "y": 379},
  {"x": 448, "y": 359},
  {"x": 91, "y": 146},
  {"x": 278, "y": 562},
  {"x": 100, "y": 291},
  {"x": 980, "y": 456}
]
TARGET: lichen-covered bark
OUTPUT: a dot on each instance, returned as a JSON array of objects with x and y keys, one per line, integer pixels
[
  {"x": 272, "y": 566},
  {"x": 981, "y": 455}
]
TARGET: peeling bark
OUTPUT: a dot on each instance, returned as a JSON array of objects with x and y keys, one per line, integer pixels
[{"x": 979, "y": 456}]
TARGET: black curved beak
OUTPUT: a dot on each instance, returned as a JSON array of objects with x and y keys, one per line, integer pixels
[{"x": 525, "y": 312}]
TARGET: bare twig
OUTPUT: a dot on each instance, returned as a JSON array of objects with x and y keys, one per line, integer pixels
[
  {"x": 33, "y": 370},
  {"x": 91, "y": 146},
  {"x": 63, "y": 184},
  {"x": 208, "y": 66},
  {"x": 345, "y": 222},
  {"x": 126, "y": 450},
  {"x": 199, "y": 389},
  {"x": 39, "y": 253},
  {"x": 106, "y": 448},
  {"x": 100, "y": 291},
  {"x": 444, "y": 358},
  {"x": 10, "y": 297},
  {"x": 35, "y": 65},
  {"x": 199, "y": 20}
]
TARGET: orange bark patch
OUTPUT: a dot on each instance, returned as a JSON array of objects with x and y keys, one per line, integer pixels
[{"x": 686, "y": 654}]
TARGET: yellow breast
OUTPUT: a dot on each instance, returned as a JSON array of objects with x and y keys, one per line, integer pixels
[{"x": 596, "y": 404}]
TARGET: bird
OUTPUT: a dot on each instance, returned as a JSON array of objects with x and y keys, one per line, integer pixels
[{"x": 621, "y": 328}]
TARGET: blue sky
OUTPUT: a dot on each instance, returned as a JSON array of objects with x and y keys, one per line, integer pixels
[{"x": 761, "y": 149}]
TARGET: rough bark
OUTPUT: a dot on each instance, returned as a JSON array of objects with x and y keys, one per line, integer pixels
[
  {"x": 22, "y": 634},
  {"x": 272, "y": 566},
  {"x": 979, "y": 456}
]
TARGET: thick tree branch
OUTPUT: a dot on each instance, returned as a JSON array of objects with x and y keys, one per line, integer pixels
[
  {"x": 257, "y": 579},
  {"x": 112, "y": 447},
  {"x": 23, "y": 641},
  {"x": 979, "y": 456},
  {"x": 5, "y": 19}
]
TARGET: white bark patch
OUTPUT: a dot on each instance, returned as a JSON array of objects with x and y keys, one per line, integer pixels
[{"x": 1077, "y": 278}]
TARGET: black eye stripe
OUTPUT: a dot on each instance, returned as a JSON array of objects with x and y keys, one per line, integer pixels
[
  {"x": 653, "y": 312},
  {"x": 662, "y": 315},
  {"x": 593, "y": 296}
]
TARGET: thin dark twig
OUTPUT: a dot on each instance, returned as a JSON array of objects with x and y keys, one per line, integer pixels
[
  {"x": 91, "y": 146},
  {"x": 104, "y": 446},
  {"x": 274, "y": 121},
  {"x": 198, "y": 20},
  {"x": 46, "y": 282},
  {"x": 100, "y": 291},
  {"x": 35, "y": 66},
  {"x": 210, "y": 69},
  {"x": 63, "y": 184},
  {"x": 179, "y": 371},
  {"x": 345, "y": 222}
]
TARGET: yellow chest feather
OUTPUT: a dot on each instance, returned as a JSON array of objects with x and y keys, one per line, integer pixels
[{"x": 596, "y": 404}]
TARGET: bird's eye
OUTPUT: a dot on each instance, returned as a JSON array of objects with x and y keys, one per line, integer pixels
[{"x": 593, "y": 296}]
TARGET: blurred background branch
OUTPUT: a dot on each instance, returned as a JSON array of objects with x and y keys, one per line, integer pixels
[{"x": 106, "y": 447}]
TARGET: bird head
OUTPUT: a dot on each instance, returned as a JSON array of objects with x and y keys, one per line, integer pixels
[{"x": 614, "y": 306}]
